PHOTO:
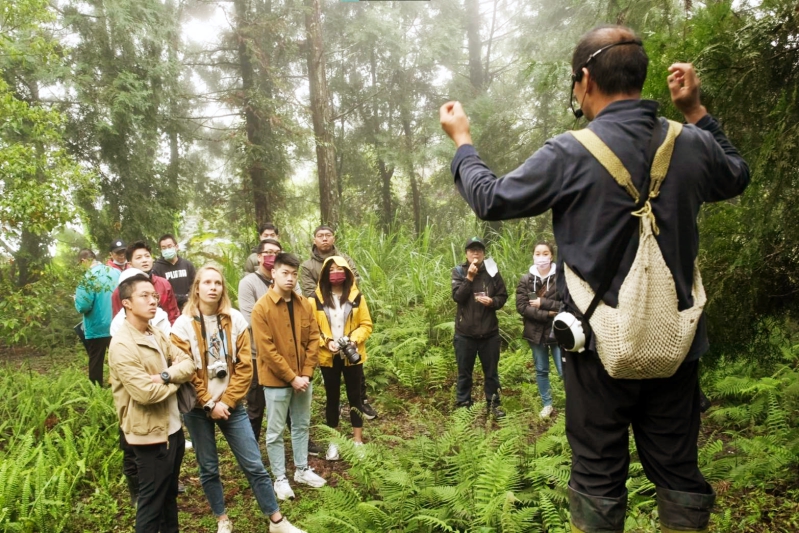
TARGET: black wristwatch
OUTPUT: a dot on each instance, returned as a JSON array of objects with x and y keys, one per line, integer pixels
[{"x": 165, "y": 376}]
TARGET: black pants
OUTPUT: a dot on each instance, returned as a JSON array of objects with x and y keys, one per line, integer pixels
[
  {"x": 96, "y": 349},
  {"x": 159, "y": 469},
  {"x": 129, "y": 467},
  {"x": 256, "y": 403},
  {"x": 466, "y": 350},
  {"x": 353, "y": 381},
  {"x": 664, "y": 414}
]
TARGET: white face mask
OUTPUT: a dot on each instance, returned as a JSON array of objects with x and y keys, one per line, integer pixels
[
  {"x": 123, "y": 263},
  {"x": 543, "y": 262}
]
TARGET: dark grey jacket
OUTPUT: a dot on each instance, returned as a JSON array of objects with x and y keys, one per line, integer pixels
[
  {"x": 473, "y": 318},
  {"x": 537, "y": 322},
  {"x": 589, "y": 210}
]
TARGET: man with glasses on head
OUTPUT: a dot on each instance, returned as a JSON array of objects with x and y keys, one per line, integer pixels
[
  {"x": 597, "y": 183},
  {"x": 251, "y": 288},
  {"x": 178, "y": 271},
  {"x": 146, "y": 372},
  {"x": 324, "y": 246}
]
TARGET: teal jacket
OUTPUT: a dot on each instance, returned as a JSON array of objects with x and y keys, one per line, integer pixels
[{"x": 93, "y": 300}]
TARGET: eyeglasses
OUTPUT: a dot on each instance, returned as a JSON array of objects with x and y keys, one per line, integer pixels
[{"x": 148, "y": 295}]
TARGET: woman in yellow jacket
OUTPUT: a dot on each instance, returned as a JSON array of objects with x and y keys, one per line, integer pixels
[{"x": 344, "y": 326}]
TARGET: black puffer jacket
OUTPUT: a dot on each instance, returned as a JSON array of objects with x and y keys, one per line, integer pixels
[
  {"x": 475, "y": 319},
  {"x": 537, "y": 322}
]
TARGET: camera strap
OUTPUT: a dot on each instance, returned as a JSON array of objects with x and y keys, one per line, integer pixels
[
  {"x": 220, "y": 332},
  {"x": 620, "y": 246}
]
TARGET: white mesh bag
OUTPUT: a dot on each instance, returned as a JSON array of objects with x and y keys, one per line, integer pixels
[{"x": 646, "y": 335}]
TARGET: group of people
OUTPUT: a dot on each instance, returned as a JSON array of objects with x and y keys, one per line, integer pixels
[
  {"x": 628, "y": 169},
  {"x": 179, "y": 353}
]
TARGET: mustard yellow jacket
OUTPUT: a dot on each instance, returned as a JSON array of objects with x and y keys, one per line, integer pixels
[{"x": 357, "y": 326}]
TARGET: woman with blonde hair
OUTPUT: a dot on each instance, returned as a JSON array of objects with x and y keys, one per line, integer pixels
[{"x": 216, "y": 336}]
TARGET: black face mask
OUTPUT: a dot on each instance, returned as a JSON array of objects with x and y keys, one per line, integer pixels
[{"x": 578, "y": 75}]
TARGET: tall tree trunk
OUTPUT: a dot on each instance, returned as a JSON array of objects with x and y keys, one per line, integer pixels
[
  {"x": 476, "y": 72},
  {"x": 31, "y": 256},
  {"x": 416, "y": 200},
  {"x": 321, "y": 114},
  {"x": 253, "y": 121}
]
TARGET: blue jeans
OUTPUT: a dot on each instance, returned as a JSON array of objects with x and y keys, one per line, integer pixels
[
  {"x": 298, "y": 404},
  {"x": 541, "y": 358},
  {"x": 239, "y": 436}
]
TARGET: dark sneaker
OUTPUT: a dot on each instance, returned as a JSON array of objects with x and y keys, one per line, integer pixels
[
  {"x": 497, "y": 412},
  {"x": 368, "y": 411},
  {"x": 314, "y": 449},
  {"x": 466, "y": 405}
]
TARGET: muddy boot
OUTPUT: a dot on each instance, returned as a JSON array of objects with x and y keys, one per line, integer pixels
[
  {"x": 684, "y": 511},
  {"x": 133, "y": 489},
  {"x": 594, "y": 514}
]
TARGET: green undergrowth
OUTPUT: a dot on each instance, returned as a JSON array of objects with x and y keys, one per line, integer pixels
[{"x": 427, "y": 468}]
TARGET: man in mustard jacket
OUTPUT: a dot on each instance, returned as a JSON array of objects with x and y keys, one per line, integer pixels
[
  {"x": 146, "y": 372},
  {"x": 287, "y": 343}
]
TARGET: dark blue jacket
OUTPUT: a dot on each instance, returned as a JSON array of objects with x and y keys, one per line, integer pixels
[{"x": 590, "y": 210}]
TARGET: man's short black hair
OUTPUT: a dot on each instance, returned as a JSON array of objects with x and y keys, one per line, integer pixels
[
  {"x": 268, "y": 225},
  {"x": 323, "y": 226},
  {"x": 166, "y": 236},
  {"x": 127, "y": 287},
  {"x": 287, "y": 259},
  {"x": 85, "y": 254},
  {"x": 618, "y": 69},
  {"x": 136, "y": 245},
  {"x": 273, "y": 242}
]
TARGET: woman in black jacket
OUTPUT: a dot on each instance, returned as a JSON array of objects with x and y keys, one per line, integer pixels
[{"x": 537, "y": 300}]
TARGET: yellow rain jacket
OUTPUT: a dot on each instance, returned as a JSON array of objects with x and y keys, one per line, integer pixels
[{"x": 357, "y": 325}]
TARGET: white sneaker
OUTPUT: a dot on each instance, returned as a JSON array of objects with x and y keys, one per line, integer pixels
[
  {"x": 284, "y": 526},
  {"x": 283, "y": 489},
  {"x": 546, "y": 412},
  {"x": 224, "y": 526},
  {"x": 332, "y": 453},
  {"x": 359, "y": 450},
  {"x": 307, "y": 476},
  {"x": 189, "y": 445}
]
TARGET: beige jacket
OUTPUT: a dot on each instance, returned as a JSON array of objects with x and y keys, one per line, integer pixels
[
  {"x": 142, "y": 405},
  {"x": 280, "y": 359}
]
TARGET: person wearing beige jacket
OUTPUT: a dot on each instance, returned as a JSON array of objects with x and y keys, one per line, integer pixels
[
  {"x": 287, "y": 345},
  {"x": 146, "y": 372}
]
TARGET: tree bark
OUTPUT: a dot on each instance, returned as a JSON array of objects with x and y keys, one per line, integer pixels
[
  {"x": 476, "y": 72},
  {"x": 254, "y": 124},
  {"x": 415, "y": 196},
  {"x": 321, "y": 114}
]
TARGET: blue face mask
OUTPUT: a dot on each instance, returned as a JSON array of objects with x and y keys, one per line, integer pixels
[{"x": 169, "y": 254}]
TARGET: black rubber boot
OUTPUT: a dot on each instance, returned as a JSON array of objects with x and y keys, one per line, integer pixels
[
  {"x": 133, "y": 489},
  {"x": 684, "y": 511},
  {"x": 594, "y": 514}
]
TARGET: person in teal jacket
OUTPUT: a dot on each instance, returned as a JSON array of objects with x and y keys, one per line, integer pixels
[{"x": 93, "y": 301}]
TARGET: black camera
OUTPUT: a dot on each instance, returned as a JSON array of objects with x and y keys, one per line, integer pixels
[{"x": 349, "y": 350}]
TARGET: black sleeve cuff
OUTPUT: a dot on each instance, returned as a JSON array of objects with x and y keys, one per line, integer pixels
[{"x": 463, "y": 152}]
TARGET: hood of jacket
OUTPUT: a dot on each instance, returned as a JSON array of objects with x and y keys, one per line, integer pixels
[
  {"x": 317, "y": 255},
  {"x": 540, "y": 279},
  {"x": 340, "y": 261}
]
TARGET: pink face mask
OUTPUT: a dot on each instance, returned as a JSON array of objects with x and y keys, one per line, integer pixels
[
  {"x": 337, "y": 278},
  {"x": 543, "y": 262},
  {"x": 269, "y": 262}
]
